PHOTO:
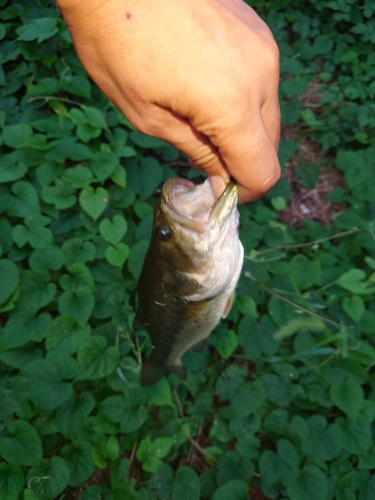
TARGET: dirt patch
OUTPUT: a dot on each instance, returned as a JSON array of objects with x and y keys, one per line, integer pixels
[{"x": 310, "y": 204}]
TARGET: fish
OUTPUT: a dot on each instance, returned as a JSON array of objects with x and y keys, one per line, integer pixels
[{"x": 189, "y": 274}]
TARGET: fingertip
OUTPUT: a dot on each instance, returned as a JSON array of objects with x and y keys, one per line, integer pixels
[{"x": 218, "y": 185}]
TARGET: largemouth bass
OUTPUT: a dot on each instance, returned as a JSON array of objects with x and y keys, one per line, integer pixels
[{"x": 189, "y": 274}]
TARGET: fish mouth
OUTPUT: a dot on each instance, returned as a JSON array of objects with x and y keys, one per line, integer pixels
[{"x": 195, "y": 206}]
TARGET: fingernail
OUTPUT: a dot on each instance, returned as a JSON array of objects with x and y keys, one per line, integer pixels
[{"x": 217, "y": 185}]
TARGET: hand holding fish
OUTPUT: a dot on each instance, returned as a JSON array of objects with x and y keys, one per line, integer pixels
[{"x": 200, "y": 74}]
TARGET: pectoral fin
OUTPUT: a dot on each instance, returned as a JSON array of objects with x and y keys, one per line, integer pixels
[{"x": 228, "y": 305}]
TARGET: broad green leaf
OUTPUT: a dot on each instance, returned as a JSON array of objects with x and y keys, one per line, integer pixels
[
  {"x": 348, "y": 396},
  {"x": 230, "y": 381},
  {"x": 37, "y": 290},
  {"x": 114, "y": 231},
  {"x": 186, "y": 485},
  {"x": 46, "y": 259},
  {"x": 323, "y": 442},
  {"x": 246, "y": 305},
  {"x": 95, "y": 359},
  {"x": 10, "y": 279},
  {"x": 47, "y": 386},
  {"x": 136, "y": 257},
  {"x": 356, "y": 436},
  {"x": 150, "y": 452},
  {"x": 66, "y": 334},
  {"x": 354, "y": 307},
  {"x": 25, "y": 201},
  {"x": 11, "y": 481},
  {"x": 48, "y": 478},
  {"x": 304, "y": 272},
  {"x": 78, "y": 177},
  {"x": 78, "y": 85},
  {"x": 117, "y": 255},
  {"x": 79, "y": 460},
  {"x": 146, "y": 141},
  {"x": 11, "y": 169},
  {"x": 21, "y": 444},
  {"x": 160, "y": 484},
  {"x": 14, "y": 135},
  {"x": 24, "y": 326},
  {"x": 225, "y": 341},
  {"x": 40, "y": 29},
  {"x": 247, "y": 399},
  {"x": 160, "y": 393},
  {"x": 145, "y": 177},
  {"x": 104, "y": 164},
  {"x": 44, "y": 86},
  {"x": 62, "y": 195},
  {"x": 309, "y": 483},
  {"x": 69, "y": 148},
  {"x": 94, "y": 202},
  {"x": 77, "y": 250},
  {"x": 131, "y": 414},
  {"x": 71, "y": 415},
  {"x": 79, "y": 304},
  {"x": 80, "y": 279},
  {"x": 235, "y": 489},
  {"x": 352, "y": 280}
]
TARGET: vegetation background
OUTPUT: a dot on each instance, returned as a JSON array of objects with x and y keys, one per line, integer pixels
[{"x": 282, "y": 405}]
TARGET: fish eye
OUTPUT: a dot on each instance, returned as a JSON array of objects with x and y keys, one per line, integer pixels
[{"x": 164, "y": 233}]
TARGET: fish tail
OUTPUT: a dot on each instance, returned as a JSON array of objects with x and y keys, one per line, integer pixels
[{"x": 152, "y": 372}]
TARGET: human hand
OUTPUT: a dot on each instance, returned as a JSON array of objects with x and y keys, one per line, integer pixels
[{"x": 201, "y": 74}]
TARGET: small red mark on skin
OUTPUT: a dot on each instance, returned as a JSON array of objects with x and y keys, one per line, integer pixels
[{"x": 128, "y": 15}]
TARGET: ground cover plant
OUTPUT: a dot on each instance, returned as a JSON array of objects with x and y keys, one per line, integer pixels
[{"x": 282, "y": 404}]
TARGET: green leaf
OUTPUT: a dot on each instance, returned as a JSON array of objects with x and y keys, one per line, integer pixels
[
  {"x": 21, "y": 444},
  {"x": 80, "y": 462},
  {"x": 11, "y": 481},
  {"x": 61, "y": 195},
  {"x": 66, "y": 334},
  {"x": 352, "y": 281},
  {"x": 95, "y": 360},
  {"x": 25, "y": 202},
  {"x": 71, "y": 415},
  {"x": 23, "y": 327},
  {"x": 323, "y": 442},
  {"x": 310, "y": 483},
  {"x": 146, "y": 141},
  {"x": 225, "y": 341},
  {"x": 151, "y": 453},
  {"x": 113, "y": 231},
  {"x": 104, "y": 164},
  {"x": 11, "y": 169},
  {"x": 14, "y": 135},
  {"x": 48, "y": 478},
  {"x": 348, "y": 396},
  {"x": 186, "y": 485},
  {"x": 354, "y": 307},
  {"x": 136, "y": 257},
  {"x": 356, "y": 436},
  {"x": 77, "y": 177},
  {"x": 78, "y": 304},
  {"x": 79, "y": 280},
  {"x": 10, "y": 279},
  {"x": 304, "y": 272},
  {"x": 246, "y": 305},
  {"x": 145, "y": 177},
  {"x": 46, "y": 259},
  {"x": 161, "y": 484},
  {"x": 235, "y": 489},
  {"x": 247, "y": 399},
  {"x": 160, "y": 393},
  {"x": 69, "y": 148},
  {"x": 77, "y": 250},
  {"x": 94, "y": 202},
  {"x": 130, "y": 410},
  {"x": 40, "y": 29},
  {"x": 117, "y": 255},
  {"x": 46, "y": 376}
]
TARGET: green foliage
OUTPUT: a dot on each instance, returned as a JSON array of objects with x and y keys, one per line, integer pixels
[{"x": 283, "y": 398}]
